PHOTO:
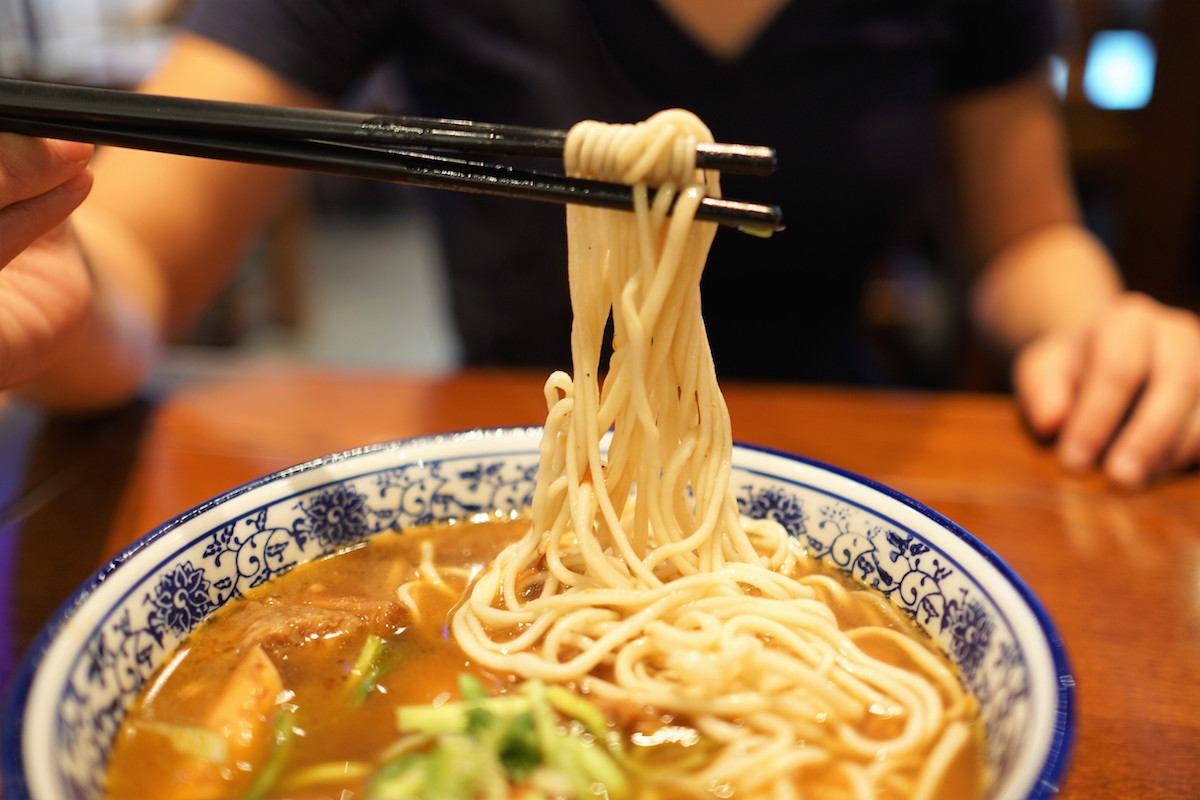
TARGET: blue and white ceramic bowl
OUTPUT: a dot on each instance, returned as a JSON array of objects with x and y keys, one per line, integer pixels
[{"x": 104, "y": 644}]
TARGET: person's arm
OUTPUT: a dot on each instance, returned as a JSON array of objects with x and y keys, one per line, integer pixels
[
  {"x": 159, "y": 235},
  {"x": 1114, "y": 375}
]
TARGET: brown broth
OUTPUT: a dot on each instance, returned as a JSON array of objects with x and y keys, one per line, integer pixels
[
  {"x": 313, "y": 663},
  {"x": 312, "y": 623}
]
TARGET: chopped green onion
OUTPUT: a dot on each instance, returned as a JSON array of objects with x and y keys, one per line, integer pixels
[
  {"x": 517, "y": 747},
  {"x": 545, "y": 739},
  {"x": 454, "y": 717},
  {"x": 366, "y": 656},
  {"x": 375, "y": 659},
  {"x": 327, "y": 772},
  {"x": 409, "y": 743},
  {"x": 471, "y": 689},
  {"x": 188, "y": 740},
  {"x": 271, "y": 769},
  {"x": 432, "y": 720},
  {"x": 577, "y": 707},
  {"x": 402, "y": 779},
  {"x": 463, "y": 768}
]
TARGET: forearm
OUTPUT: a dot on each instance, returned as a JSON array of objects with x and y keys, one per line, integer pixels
[
  {"x": 1037, "y": 269},
  {"x": 1054, "y": 278}
]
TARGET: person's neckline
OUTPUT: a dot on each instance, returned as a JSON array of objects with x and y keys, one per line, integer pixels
[{"x": 724, "y": 32}]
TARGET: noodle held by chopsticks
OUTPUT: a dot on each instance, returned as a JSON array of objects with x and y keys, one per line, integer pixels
[{"x": 638, "y": 581}]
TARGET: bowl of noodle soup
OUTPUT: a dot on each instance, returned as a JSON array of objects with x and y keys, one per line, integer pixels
[
  {"x": 629, "y": 604},
  {"x": 110, "y": 639}
]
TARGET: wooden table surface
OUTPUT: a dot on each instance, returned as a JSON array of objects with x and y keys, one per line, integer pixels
[{"x": 1118, "y": 572}]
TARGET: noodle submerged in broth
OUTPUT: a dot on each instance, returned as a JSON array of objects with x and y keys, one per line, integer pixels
[{"x": 637, "y": 637}]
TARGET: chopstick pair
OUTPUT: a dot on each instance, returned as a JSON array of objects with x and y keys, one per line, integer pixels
[{"x": 351, "y": 144}]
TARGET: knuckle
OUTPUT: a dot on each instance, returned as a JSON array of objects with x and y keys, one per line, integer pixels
[
  {"x": 1135, "y": 305},
  {"x": 1118, "y": 368},
  {"x": 1190, "y": 384},
  {"x": 1186, "y": 325}
]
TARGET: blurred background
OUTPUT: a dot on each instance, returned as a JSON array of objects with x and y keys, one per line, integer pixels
[{"x": 350, "y": 272}]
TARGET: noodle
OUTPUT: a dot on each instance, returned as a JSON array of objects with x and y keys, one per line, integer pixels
[{"x": 638, "y": 581}]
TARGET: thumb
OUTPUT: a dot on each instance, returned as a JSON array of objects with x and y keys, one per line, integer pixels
[{"x": 1046, "y": 377}]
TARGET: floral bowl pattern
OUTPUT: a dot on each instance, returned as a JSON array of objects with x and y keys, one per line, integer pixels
[{"x": 105, "y": 643}]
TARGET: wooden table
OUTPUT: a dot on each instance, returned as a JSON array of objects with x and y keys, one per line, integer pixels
[{"x": 1119, "y": 573}]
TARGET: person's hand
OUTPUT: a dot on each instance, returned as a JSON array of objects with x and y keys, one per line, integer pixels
[
  {"x": 45, "y": 289},
  {"x": 1123, "y": 393}
]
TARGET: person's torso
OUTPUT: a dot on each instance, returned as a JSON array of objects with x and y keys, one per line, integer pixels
[{"x": 847, "y": 91}]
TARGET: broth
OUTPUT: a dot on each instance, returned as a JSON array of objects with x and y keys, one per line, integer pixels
[{"x": 293, "y": 644}]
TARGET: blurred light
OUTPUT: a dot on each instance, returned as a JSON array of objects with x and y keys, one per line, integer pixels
[
  {"x": 1119, "y": 72},
  {"x": 1060, "y": 72}
]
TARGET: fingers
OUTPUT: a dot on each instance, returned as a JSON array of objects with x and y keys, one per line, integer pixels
[
  {"x": 41, "y": 182},
  {"x": 1125, "y": 393},
  {"x": 1046, "y": 381},
  {"x": 1116, "y": 366},
  {"x": 1160, "y": 432},
  {"x": 30, "y": 167}
]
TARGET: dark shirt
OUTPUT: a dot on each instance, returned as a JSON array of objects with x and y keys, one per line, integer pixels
[{"x": 847, "y": 91}]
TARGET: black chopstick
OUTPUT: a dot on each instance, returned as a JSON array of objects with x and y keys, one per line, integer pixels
[
  {"x": 346, "y": 143},
  {"x": 53, "y": 100},
  {"x": 370, "y": 161}
]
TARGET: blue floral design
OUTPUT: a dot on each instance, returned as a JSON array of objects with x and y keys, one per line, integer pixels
[
  {"x": 773, "y": 503},
  {"x": 971, "y": 635},
  {"x": 180, "y": 600},
  {"x": 222, "y": 541},
  {"x": 338, "y": 517}
]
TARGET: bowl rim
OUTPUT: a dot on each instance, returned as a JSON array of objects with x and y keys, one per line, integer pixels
[{"x": 15, "y": 704}]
